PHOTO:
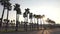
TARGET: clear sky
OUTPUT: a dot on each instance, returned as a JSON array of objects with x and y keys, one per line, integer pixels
[{"x": 50, "y": 8}]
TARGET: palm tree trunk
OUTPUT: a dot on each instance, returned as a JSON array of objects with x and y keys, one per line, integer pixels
[
  {"x": 41, "y": 23},
  {"x": 2, "y": 17},
  {"x": 16, "y": 29},
  {"x": 34, "y": 20},
  {"x": 7, "y": 20},
  {"x": 32, "y": 24},
  {"x": 37, "y": 24},
  {"x": 27, "y": 18},
  {"x": 26, "y": 23}
]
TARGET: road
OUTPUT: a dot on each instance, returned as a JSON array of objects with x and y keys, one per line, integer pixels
[{"x": 54, "y": 31}]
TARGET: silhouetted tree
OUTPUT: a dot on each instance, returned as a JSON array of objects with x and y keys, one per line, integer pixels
[
  {"x": 25, "y": 23},
  {"x": 4, "y": 3},
  {"x": 42, "y": 20},
  {"x": 25, "y": 14},
  {"x": 9, "y": 7},
  {"x": 34, "y": 17},
  {"x": 31, "y": 26},
  {"x": 37, "y": 16},
  {"x": 31, "y": 21},
  {"x": 50, "y": 22},
  {"x": 18, "y": 10}
]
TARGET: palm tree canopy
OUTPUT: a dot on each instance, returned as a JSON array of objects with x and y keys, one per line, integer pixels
[
  {"x": 4, "y": 2},
  {"x": 43, "y": 16},
  {"x": 50, "y": 21},
  {"x": 24, "y": 14},
  {"x": 9, "y": 6},
  {"x": 37, "y": 16},
  {"x": 16, "y": 7},
  {"x": 34, "y": 15},
  {"x": 27, "y": 10}
]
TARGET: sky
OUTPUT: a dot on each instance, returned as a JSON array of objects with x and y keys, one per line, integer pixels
[{"x": 50, "y": 8}]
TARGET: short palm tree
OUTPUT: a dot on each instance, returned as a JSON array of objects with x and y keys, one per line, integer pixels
[{"x": 51, "y": 22}]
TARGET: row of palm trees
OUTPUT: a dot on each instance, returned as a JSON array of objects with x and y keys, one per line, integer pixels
[{"x": 7, "y": 5}]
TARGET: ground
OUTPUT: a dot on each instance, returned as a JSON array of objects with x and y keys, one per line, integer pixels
[{"x": 49, "y": 31}]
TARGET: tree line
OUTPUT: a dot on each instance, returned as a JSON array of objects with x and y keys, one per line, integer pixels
[{"x": 7, "y": 5}]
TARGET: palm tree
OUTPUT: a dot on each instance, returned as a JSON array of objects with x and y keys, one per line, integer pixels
[
  {"x": 27, "y": 12},
  {"x": 42, "y": 20},
  {"x": 24, "y": 15},
  {"x": 37, "y": 16},
  {"x": 4, "y": 3},
  {"x": 31, "y": 21},
  {"x": 43, "y": 17},
  {"x": 34, "y": 17},
  {"x": 25, "y": 23},
  {"x": 8, "y": 9},
  {"x": 50, "y": 22},
  {"x": 18, "y": 10}
]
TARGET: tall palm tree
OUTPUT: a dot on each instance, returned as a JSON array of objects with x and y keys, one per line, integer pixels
[
  {"x": 24, "y": 15},
  {"x": 25, "y": 20},
  {"x": 9, "y": 7},
  {"x": 37, "y": 16},
  {"x": 18, "y": 11},
  {"x": 31, "y": 21},
  {"x": 4, "y": 4},
  {"x": 25, "y": 23},
  {"x": 34, "y": 17},
  {"x": 31, "y": 16},
  {"x": 42, "y": 16},
  {"x": 27, "y": 12}
]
